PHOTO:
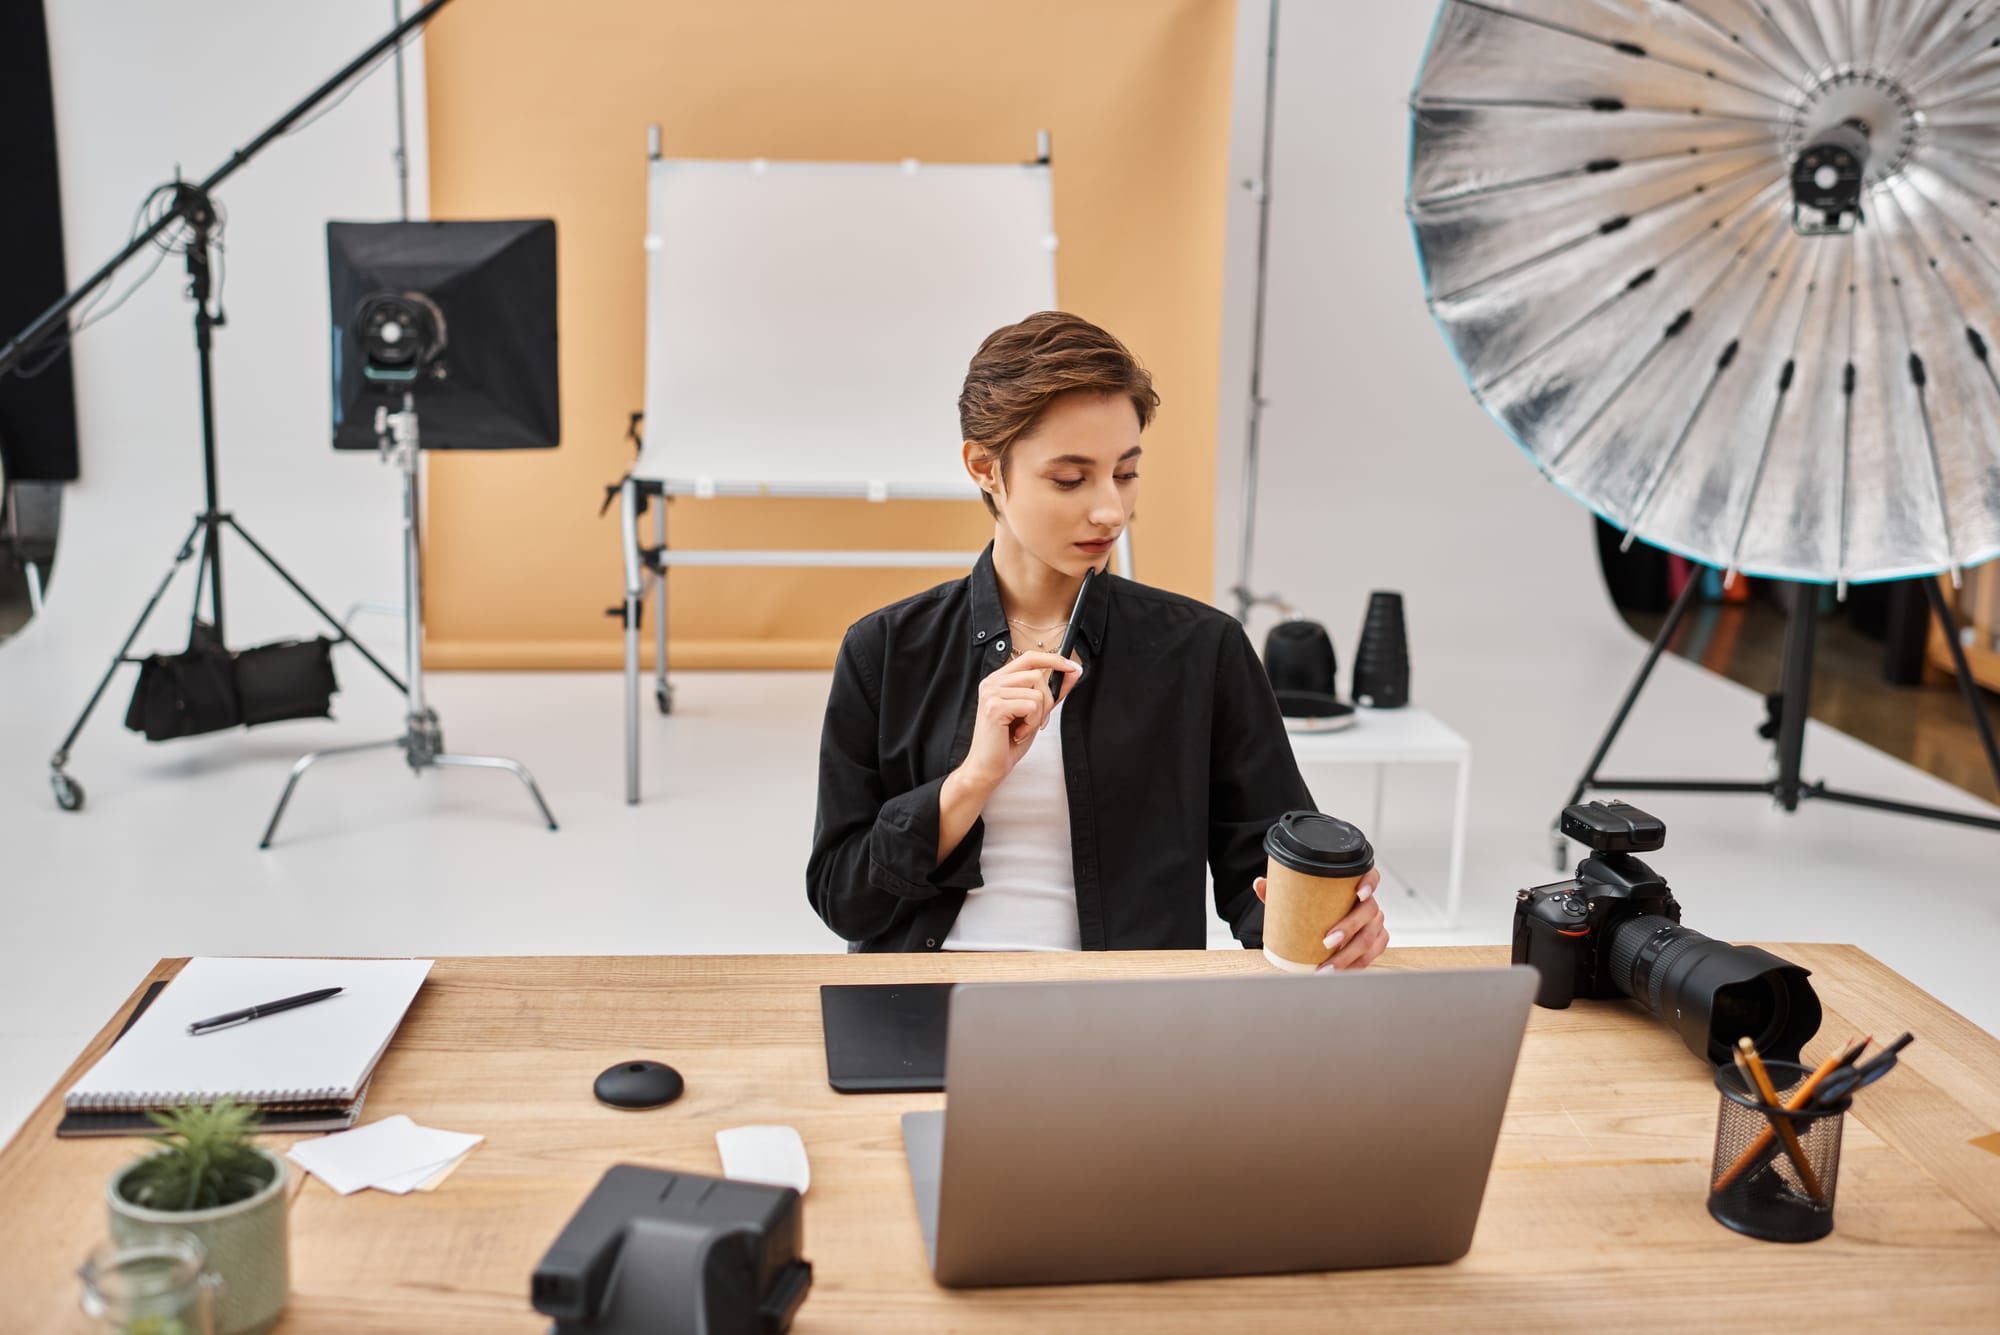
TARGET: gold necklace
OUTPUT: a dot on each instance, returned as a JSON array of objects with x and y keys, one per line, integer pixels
[{"x": 1039, "y": 644}]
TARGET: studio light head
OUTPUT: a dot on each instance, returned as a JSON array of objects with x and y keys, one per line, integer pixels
[
  {"x": 1826, "y": 180},
  {"x": 402, "y": 336},
  {"x": 458, "y": 316}
]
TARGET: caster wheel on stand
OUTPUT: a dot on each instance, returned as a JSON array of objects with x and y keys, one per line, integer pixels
[
  {"x": 69, "y": 793},
  {"x": 663, "y": 696}
]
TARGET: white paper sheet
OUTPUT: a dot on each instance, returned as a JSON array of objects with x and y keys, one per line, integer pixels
[
  {"x": 394, "y": 1154},
  {"x": 420, "y": 1179}
]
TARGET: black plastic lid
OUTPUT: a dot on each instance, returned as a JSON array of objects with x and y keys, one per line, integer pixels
[
  {"x": 1319, "y": 845},
  {"x": 1311, "y": 704}
]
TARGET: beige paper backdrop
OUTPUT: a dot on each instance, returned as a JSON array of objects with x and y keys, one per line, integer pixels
[{"x": 540, "y": 110}]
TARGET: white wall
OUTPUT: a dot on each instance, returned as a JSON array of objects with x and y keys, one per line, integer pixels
[
  {"x": 1378, "y": 469},
  {"x": 139, "y": 90}
]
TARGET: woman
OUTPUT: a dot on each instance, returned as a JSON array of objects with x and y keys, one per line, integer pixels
[{"x": 962, "y": 805}]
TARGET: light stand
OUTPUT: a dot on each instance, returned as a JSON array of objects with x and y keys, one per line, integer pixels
[
  {"x": 422, "y": 741},
  {"x": 193, "y": 207},
  {"x": 1246, "y": 597},
  {"x": 1787, "y": 729}
]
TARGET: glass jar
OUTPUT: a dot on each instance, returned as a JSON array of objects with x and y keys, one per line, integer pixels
[{"x": 153, "y": 1284}]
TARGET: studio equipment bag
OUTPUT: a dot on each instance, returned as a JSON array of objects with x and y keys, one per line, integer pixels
[
  {"x": 181, "y": 695},
  {"x": 206, "y": 688},
  {"x": 285, "y": 680}
]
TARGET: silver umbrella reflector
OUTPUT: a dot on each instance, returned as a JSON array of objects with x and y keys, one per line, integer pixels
[{"x": 1729, "y": 271}]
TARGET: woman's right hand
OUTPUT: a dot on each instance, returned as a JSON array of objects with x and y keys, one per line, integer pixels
[{"x": 1014, "y": 705}]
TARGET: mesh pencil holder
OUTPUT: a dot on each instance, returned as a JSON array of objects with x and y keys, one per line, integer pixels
[{"x": 1755, "y": 1186}]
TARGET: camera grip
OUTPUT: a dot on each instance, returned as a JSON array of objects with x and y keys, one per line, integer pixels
[{"x": 1556, "y": 956}]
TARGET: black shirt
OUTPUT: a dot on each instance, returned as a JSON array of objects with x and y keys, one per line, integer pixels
[{"x": 1174, "y": 753}]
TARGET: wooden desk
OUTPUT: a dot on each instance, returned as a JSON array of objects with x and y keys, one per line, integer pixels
[{"x": 1593, "y": 1218}]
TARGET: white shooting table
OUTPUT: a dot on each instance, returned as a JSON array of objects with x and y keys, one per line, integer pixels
[{"x": 1407, "y": 736}]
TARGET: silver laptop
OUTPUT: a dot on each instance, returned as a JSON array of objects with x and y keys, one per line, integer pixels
[{"x": 1155, "y": 1129}]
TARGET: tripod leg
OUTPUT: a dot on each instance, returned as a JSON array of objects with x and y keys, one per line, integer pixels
[
  {"x": 201, "y": 567},
  {"x": 514, "y": 767},
  {"x": 1795, "y": 690},
  {"x": 305, "y": 763},
  {"x": 1660, "y": 642},
  {"x": 313, "y": 603},
  {"x": 1966, "y": 685},
  {"x": 61, "y": 757}
]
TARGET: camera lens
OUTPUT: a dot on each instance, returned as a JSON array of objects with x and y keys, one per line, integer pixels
[{"x": 1710, "y": 992}]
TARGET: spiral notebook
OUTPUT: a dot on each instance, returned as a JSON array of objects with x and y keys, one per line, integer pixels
[
  {"x": 312, "y": 1057},
  {"x": 75, "y": 1124}
]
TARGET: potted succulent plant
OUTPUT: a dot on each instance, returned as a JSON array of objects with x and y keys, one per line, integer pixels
[{"x": 211, "y": 1180}]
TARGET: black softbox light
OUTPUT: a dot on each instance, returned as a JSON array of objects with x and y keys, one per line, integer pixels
[{"x": 493, "y": 387}]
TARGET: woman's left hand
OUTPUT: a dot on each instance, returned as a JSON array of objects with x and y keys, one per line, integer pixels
[{"x": 1359, "y": 938}]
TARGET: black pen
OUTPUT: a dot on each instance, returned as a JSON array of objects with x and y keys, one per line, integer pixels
[
  {"x": 1068, "y": 645},
  {"x": 229, "y": 1018}
]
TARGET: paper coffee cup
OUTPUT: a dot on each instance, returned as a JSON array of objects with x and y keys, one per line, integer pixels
[{"x": 1315, "y": 868}]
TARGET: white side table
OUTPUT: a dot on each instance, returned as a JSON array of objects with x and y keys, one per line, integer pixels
[{"x": 1406, "y": 736}]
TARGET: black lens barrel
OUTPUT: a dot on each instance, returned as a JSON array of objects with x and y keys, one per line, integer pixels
[
  {"x": 1711, "y": 992},
  {"x": 1637, "y": 947}
]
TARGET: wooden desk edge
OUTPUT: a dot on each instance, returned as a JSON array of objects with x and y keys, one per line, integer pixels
[{"x": 42, "y": 1122}]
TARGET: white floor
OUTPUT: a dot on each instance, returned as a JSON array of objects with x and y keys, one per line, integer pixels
[{"x": 373, "y": 861}]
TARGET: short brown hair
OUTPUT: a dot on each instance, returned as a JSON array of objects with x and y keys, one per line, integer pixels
[{"x": 1022, "y": 368}]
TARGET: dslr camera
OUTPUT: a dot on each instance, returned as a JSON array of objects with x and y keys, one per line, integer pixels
[{"x": 1614, "y": 930}]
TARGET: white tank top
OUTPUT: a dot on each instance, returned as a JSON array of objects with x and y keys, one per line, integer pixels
[{"x": 1028, "y": 901}]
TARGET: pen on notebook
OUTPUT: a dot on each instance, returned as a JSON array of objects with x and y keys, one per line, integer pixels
[{"x": 229, "y": 1018}]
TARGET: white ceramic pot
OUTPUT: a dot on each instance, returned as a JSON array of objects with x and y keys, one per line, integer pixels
[{"x": 246, "y": 1244}]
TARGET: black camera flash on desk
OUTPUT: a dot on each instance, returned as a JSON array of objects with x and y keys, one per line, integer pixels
[
  {"x": 230, "y": 1019},
  {"x": 651, "y": 1252}
]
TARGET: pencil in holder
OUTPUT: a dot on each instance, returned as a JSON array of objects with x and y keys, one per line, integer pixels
[{"x": 1763, "y": 1183}]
